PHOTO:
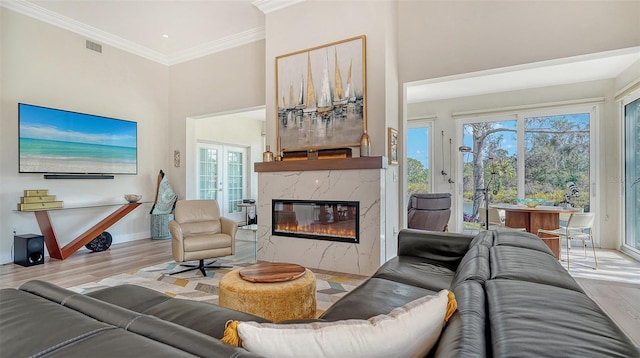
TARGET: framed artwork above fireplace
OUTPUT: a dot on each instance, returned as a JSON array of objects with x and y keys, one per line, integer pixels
[{"x": 321, "y": 96}]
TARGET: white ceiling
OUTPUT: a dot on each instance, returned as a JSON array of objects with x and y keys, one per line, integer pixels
[
  {"x": 168, "y": 32},
  {"x": 534, "y": 75},
  {"x": 196, "y": 28}
]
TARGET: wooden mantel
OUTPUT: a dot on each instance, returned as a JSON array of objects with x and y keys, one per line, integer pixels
[{"x": 323, "y": 164}]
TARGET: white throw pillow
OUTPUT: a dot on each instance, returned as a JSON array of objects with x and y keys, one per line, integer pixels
[{"x": 407, "y": 331}]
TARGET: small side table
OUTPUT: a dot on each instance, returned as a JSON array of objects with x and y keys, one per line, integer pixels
[
  {"x": 276, "y": 301},
  {"x": 246, "y": 207},
  {"x": 253, "y": 228}
]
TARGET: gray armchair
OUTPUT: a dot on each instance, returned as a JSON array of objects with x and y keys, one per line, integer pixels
[
  {"x": 429, "y": 211},
  {"x": 198, "y": 232}
]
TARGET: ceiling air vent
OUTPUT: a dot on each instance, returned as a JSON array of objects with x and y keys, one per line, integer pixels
[{"x": 94, "y": 46}]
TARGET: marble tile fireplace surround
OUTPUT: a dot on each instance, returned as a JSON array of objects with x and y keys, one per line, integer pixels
[{"x": 360, "y": 180}]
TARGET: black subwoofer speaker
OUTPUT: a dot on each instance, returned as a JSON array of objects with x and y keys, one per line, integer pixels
[{"x": 28, "y": 250}]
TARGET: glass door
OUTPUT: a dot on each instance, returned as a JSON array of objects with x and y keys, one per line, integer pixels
[
  {"x": 222, "y": 177},
  {"x": 557, "y": 159},
  {"x": 418, "y": 145},
  {"x": 632, "y": 173},
  {"x": 547, "y": 155},
  {"x": 489, "y": 167}
]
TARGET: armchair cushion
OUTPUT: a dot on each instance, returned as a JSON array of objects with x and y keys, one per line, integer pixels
[{"x": 199, "y": 232}]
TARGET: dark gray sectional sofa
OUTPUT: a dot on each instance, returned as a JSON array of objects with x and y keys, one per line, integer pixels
[{"x": 514, "y": 300}]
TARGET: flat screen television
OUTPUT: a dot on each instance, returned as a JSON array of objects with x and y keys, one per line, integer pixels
[{"x": 64, "y": 142}]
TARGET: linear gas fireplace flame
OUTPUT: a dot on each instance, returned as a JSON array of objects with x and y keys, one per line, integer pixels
[{"x": 316, "y": 219}]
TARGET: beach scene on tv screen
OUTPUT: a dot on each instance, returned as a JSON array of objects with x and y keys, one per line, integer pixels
[{"x": 57, "y": 141}]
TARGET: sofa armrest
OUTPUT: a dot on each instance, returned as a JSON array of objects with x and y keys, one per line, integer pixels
[{"x": 444, "y": 248}]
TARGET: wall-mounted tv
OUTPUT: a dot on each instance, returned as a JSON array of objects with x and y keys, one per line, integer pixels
[{"x": 65, "y": 142}]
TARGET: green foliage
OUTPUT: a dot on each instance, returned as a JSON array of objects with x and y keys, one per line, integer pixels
[
  {"x": 557, "y": 150},
  {"x": 417, "y": 177}
]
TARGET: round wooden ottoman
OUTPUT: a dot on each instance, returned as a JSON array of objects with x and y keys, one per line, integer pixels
[{"x": 288, "y": 297}]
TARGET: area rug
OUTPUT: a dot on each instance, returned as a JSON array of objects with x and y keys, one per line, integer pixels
[{"x": 330, "y": 286}]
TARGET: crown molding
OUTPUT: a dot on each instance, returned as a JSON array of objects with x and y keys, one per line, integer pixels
[
  {"x": 29, "y": 9},
  {"x": 267, "y": 6},
  {"x": 53, "y": 18},
  {"x": 239, "y": 39}
]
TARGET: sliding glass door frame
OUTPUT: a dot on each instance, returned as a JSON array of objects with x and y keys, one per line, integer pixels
[
  {"x": 626, "y": 227},
  {"x": 520, "y": 115}
]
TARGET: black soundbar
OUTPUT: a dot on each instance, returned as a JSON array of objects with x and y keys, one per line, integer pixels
[{"x": 78, "y": 176}]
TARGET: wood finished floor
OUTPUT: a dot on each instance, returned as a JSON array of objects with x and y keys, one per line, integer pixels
[{"x": 615, "y": 286}]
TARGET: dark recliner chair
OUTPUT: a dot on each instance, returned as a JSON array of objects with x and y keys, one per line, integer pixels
[{"x": 429, "y": 211}]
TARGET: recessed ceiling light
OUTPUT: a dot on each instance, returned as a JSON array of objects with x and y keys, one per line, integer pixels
[{"x": 165, "y": 36}]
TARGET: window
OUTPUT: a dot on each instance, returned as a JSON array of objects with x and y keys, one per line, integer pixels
[
  {"x": 418, "y": 144},
  {"x": 546, "y": 155}
]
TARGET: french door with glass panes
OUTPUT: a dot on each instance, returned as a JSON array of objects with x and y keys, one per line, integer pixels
[{"x": 222, "y": 176}]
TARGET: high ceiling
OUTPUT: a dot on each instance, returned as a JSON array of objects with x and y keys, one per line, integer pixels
[
  {"x": 171, "y": 32},
  {"x": 168, "y": 32}
]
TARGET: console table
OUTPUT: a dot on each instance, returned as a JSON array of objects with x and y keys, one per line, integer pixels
[{"x": 61, "y": 253}]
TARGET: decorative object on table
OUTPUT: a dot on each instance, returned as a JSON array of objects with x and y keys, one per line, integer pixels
[
  {"x": 38, "y": 199},
  {"x": 133, "y": 198},
  {"x": 329, "y": 113},
  {"x": 392, "y": 145},
  {"x": 312, "y": 154},
  {"x": 101, "y": 243},
  {"x": 162, "y": 210},
  {"x": 365, "y": 144},
  {"x": 267, "y": 155},
  {"x": 572, "y": 193},
  {"x": 330, "y": 153},
  {"x": 531, "y": 203}
]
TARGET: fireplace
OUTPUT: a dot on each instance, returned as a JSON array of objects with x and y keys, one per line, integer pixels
[{"x": 316, "y": 219}]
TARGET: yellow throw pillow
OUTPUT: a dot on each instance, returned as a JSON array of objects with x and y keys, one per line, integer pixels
[{"x": 407, "y": 331}]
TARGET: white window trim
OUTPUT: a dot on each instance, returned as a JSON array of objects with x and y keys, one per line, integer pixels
[
  {"x": 623, "y": 101},
  {"x": 593, "y": 108}
]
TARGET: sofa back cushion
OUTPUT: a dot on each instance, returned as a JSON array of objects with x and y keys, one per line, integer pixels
[
  {"x": 521, "y": 239},
  {"x": 474, "y": 266},
  {"x": 143, "y": 330},
  {"x": 464, "y": 334},
  {"x": 514, "y": 263},
  {"x": 417, "y": 272},
  {"x": 530, "y": 319},
  {"x": 444, "y": 248},
  {"x": 484, "y": 238},
  {"x": 375, "y": 296}
]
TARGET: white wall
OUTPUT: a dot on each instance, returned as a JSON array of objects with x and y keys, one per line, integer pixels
[
  {"x": 218, "y": 83},
  {"x": 48, "y": 66},
  {"x": 315, "y": 23},
  {"x": 442, "y": 38}
]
